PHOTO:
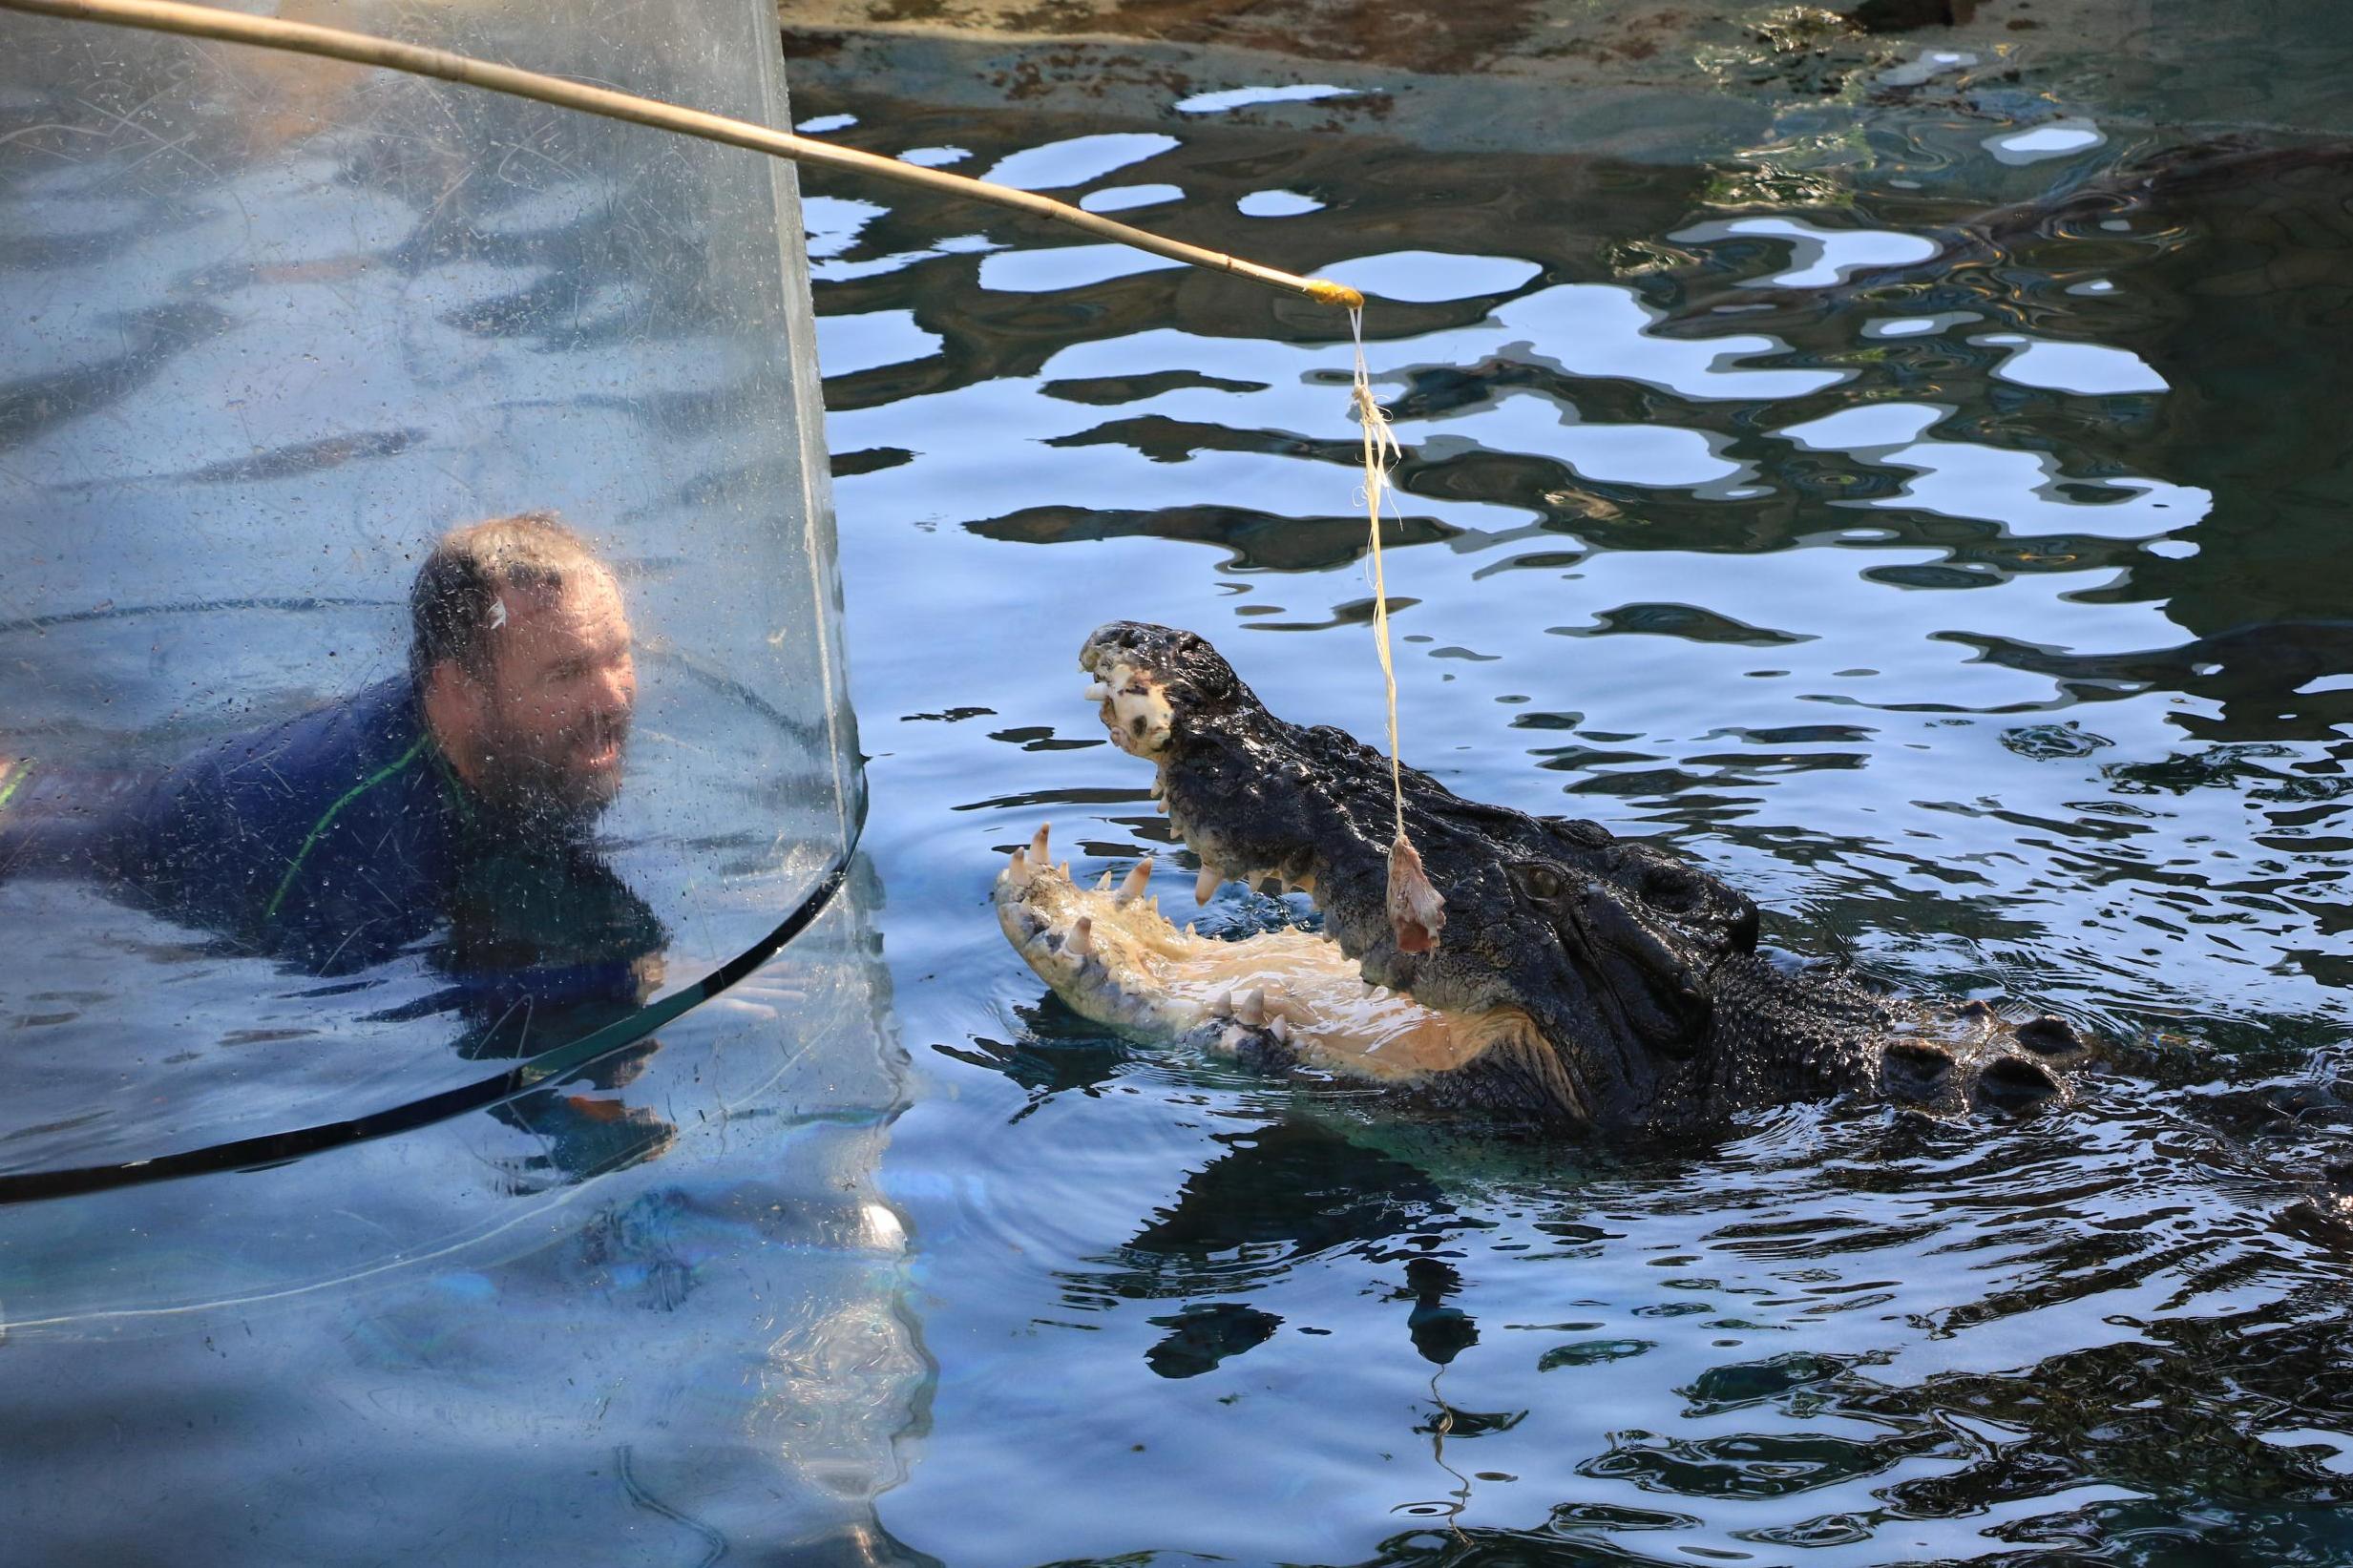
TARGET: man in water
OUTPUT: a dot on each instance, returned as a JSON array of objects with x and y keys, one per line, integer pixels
[
  {"x": 463, "y": 790},
  {"x": 453, "y": 801}
]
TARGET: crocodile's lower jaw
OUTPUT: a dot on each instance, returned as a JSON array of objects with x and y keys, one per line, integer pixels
[{"x": 1114, "y": 959}]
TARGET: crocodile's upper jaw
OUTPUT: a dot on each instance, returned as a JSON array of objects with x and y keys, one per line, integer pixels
[{"x": 1160, "y": 693}]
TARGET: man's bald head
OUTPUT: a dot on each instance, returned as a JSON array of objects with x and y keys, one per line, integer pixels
[{"x": 457, "y": 601}]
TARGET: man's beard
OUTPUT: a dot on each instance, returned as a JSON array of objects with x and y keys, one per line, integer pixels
[{"x": 541, "y": 796}]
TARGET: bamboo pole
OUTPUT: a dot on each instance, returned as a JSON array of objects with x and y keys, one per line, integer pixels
[{"x": 363, "y": 49}]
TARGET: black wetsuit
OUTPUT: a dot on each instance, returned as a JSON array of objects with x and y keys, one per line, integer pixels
[
  {"x": 335, "y": 839},
  {"x": 327, "y": 839},
  {"x": 340, "y": 838}
]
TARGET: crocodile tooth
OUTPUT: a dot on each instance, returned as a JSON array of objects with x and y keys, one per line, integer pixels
[
  {"x": 1018, "y": 871},
  {"x": 1224, "y": 1006},
  {"x": 1252, "y": 1010},
  {"x": 1064, "y": 870},
  {"x": 1103, "y": 886},
  {"x": 1205, "y": 886},
  {"x": 1280, "y": 1028},
  {"x": 1136, "y": 882},
  {"x": 1096, "y": 691},
  {"x": 1037, "y": 844},
  {"x": 1081, "y": 938},
  {"x": 1161, "y": 806},
  {"x": 1159, "y": 787}
]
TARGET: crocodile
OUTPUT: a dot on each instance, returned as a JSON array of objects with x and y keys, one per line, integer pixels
[{"x": 1579, "y": 981}]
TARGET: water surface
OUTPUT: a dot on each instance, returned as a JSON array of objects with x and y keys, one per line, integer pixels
[
  {"x": 1919, "y": 510},
  {"x": 1941, "y": 554}
]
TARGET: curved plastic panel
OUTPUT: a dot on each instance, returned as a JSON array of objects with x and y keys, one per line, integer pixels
[
  {"x": 658, "y": 1305},
  {"x": 273, "y": 326}
]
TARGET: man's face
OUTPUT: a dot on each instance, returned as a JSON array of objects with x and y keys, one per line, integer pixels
[{"x": 555, "y": 708}]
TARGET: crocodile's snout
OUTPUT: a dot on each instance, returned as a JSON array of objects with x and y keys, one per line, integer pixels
[
  {"x": 1155, "y": 683},
  {"x": 1162, "y": 648}
]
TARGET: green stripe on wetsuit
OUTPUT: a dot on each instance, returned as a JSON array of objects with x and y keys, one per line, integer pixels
[
  {"x": 8, "y": 792},
  {"x": 320, "y": 826}
]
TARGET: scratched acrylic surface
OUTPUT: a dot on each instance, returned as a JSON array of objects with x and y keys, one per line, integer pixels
[
  {"x": 265, "y": 328},
  {"x": 273, "y": 324}
]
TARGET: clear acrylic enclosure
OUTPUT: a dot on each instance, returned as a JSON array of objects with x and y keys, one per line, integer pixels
[
  {"x": 269, "y": 330},
  {"x": 273, "y": 326}
]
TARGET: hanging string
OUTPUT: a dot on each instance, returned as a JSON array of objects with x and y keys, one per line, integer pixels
[
  {"x": 1416, "y": 911},
  {"x": 1380, "y": 449}
]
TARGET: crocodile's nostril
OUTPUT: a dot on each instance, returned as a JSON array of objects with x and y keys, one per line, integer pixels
[
  {"x": 2048, "y": 1037},
  {"x": 2012, "y": 1083},
  {"x": 1914, "y": 1070}
]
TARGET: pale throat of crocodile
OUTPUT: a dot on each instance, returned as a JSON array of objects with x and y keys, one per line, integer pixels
[{"x": 1115, "y": 959}]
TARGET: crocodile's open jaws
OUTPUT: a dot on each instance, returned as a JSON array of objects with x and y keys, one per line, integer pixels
[{"x": 1582, "y": 980}]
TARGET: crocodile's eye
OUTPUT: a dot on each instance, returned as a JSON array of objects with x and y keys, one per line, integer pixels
[{"x": 1539, "y": 881}]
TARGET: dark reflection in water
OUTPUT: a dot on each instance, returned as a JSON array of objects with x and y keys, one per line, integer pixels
[
  {"x": 2253, "y": 674},
  {"x": 1977, "y": 612},
  {"x": 1279, "y": 1193},
  {"x": 1258, "y": 540},
  {"x": 33, "y": 405},
  {"x": 2224, "y": 267}
]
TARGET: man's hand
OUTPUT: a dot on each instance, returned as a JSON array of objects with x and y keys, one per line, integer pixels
[{"x": 766, "y": 993}]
